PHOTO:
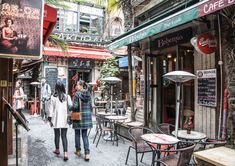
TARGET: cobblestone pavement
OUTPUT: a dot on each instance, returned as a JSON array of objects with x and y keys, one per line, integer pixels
[{"x": 41, "y": 145}]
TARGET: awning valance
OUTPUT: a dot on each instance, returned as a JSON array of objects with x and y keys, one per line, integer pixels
[
  {"x": 195, "y": 11},
  {"x": 78, "y": 52}
]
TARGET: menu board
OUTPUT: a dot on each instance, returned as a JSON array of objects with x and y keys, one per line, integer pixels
[
  {"x": 51, "y": 77},
  {"x": 207, "y": 87}
]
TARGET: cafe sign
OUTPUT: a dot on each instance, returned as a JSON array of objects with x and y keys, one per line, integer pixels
[{"x": 212, "y": 6}]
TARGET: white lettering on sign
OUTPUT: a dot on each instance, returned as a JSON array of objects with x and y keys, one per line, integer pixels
[
  {"x": 78, "y": 37},
  {"x": 213, "y": 6}
]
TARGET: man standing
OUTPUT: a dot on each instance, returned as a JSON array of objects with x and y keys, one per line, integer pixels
[{"x": 46, "y": 97}]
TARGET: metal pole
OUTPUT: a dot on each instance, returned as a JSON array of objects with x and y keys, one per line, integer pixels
[
  {"x": 177, "y": 108},
  {"x": 221, "y": 77},
  {"x": 35, "y": 100},
  {"x": 111, "y": 104},
  {"x": 16, "y": 125}
]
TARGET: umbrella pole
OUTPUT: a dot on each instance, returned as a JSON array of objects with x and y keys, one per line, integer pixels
[
  {"x": 35, "y": 101},
  {"x": 177, "y": 108}
]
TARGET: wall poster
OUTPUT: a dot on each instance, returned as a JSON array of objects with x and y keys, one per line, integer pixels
[{"x": 21, "y": 28}]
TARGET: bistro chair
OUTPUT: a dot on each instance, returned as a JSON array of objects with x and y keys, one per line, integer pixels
[
  {"x": 166, "y": 128},
  {"x": 211, "y": 143},
  {"x": 180, "y": 156},
  {"x": 102, "y": 129},
  {"x": 139, "y": 145}
]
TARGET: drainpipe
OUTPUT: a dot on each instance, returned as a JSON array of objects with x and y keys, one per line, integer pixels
[{"x": 221, "y": 76}]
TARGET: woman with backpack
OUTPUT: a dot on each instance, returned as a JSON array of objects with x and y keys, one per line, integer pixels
[{"x": 58, "y": 114}]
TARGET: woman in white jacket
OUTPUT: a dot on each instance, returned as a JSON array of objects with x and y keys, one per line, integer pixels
[{"x": 58, "y": 112}]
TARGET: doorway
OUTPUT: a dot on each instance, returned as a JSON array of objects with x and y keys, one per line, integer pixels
[{"x": 179, "y": 58}]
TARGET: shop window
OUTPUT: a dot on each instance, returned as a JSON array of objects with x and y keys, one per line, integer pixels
[{"x": 67, "y": 21}]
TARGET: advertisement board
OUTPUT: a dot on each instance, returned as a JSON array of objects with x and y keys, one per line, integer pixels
[{"x": 21, "y": 28}]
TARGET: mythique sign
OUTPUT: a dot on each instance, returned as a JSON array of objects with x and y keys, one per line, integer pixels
[{"x": 212, "y": 6}]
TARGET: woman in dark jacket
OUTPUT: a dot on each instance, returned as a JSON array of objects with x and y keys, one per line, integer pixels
[{"x": 82, "y": 104}]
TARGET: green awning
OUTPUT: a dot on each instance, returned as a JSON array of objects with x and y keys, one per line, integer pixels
[{"x": 179, "y": 18}]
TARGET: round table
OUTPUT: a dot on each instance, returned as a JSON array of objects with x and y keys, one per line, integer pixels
[
  {"x": 116, "y": 119},
  {"x": 103, "y": 113},
  {"x": 194, "y": 135},
  {"x": 160, "y": 139}
]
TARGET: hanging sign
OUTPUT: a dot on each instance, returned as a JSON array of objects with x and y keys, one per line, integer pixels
[
  {"x": 207, "y": 87},
  {"x": 21, "y": 28},
  {"x": 206, "y": 43}
]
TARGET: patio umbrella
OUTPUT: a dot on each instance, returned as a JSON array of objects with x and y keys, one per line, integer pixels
[
  {"x": 178, "y": 77},
  {"x": 111, "y": 81}
]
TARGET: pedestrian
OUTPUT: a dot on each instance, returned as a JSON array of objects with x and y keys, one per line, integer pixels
[
  {"x": 45, "y": 96},
  {"x": 58, "y": 113},
  {"x": 82, "y": 104},
  {"x": 18, "y": 99}
]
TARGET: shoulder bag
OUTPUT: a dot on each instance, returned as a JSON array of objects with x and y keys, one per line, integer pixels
[{"x": 76, "y": 115}]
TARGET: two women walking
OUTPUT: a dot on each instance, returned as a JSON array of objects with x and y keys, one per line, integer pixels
[{"x": 58, "y": 114}]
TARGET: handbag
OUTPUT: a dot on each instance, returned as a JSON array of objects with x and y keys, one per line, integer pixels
[{"x": 76, "y": 115}]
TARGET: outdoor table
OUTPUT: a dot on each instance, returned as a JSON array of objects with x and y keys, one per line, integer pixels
[
  {"x": 193, "y": 136},
  {"x": 159, "y": 139},
  {"x": 220, "y": 156},
  {"x": 116, "y": 119},
  {"x": 135, "y": 124},
  {"x": 103, "y": 113}
]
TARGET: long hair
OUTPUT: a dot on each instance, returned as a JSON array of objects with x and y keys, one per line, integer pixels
[{"x": 59, "y": 91}]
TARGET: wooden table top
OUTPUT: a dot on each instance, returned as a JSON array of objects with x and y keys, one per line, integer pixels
[
  {"x": 220, "y": 156},
  {"x": 161, "y": 139},
  {"x": 194, "y": 135}
]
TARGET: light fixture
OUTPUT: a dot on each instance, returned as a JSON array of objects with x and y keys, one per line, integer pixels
[
  {"x": 15, "y": 70},
  {"x": 174, "y": 59},
  {"x": 169, "y": 56}
]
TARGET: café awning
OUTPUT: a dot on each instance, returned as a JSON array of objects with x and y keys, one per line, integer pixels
[
  {"x": 78, "y": 52},
  {"x": 154, "y": 27},
  {"x": 49, "y": 21}
]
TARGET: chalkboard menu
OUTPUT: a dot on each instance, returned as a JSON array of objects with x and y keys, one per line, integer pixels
[
  {"x": 51, "y": 77},
  {"x": 207, "y": 87}
]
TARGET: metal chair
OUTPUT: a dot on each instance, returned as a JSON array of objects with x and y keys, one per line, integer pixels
[
  {"x": 139, "y": 145},
  {"x": 102, "y": 129},
  {"x": 176, "y": 157},
  {"x": 166, "y": 128}
]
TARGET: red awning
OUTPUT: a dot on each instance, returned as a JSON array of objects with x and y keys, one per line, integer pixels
[
  {"x": 49, "y": 21},
  {"x": 78, "y": 52}
]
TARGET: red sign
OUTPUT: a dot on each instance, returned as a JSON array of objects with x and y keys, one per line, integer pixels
[
  {"x": 212, "y": 6},
  {"x": 206, "y": 43}
]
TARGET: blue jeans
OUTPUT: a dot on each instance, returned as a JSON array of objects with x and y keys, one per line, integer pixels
[{"x": 84, "y": 138}]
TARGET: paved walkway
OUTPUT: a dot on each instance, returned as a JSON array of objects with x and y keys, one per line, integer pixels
[{"x": 41, "y": 145}]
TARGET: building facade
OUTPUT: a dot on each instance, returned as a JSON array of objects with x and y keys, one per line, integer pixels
[{"x": 189, "y": 36}]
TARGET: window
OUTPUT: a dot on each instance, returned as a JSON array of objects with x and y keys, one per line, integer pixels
[{"x": 67, "y": 21}]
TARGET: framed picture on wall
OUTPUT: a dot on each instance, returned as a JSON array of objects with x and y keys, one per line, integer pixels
[{"x": 21, "y": 28}]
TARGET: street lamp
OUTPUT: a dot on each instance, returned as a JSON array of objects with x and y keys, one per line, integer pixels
[
  {"x": 178, "y": 77},
  {"x": 111, "y": 81}
]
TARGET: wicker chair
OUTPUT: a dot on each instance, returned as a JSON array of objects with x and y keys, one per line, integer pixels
[
  {"x": 139, "y": 145},
  {"x": 177, "y": 157},
  {"x": 166, "y": 128}
]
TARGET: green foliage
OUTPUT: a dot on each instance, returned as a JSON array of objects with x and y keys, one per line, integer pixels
[
  {"x": 109, "y": 68},
  {"x": 54, "y": 39},
  {"x": 57, "y": 3}
]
